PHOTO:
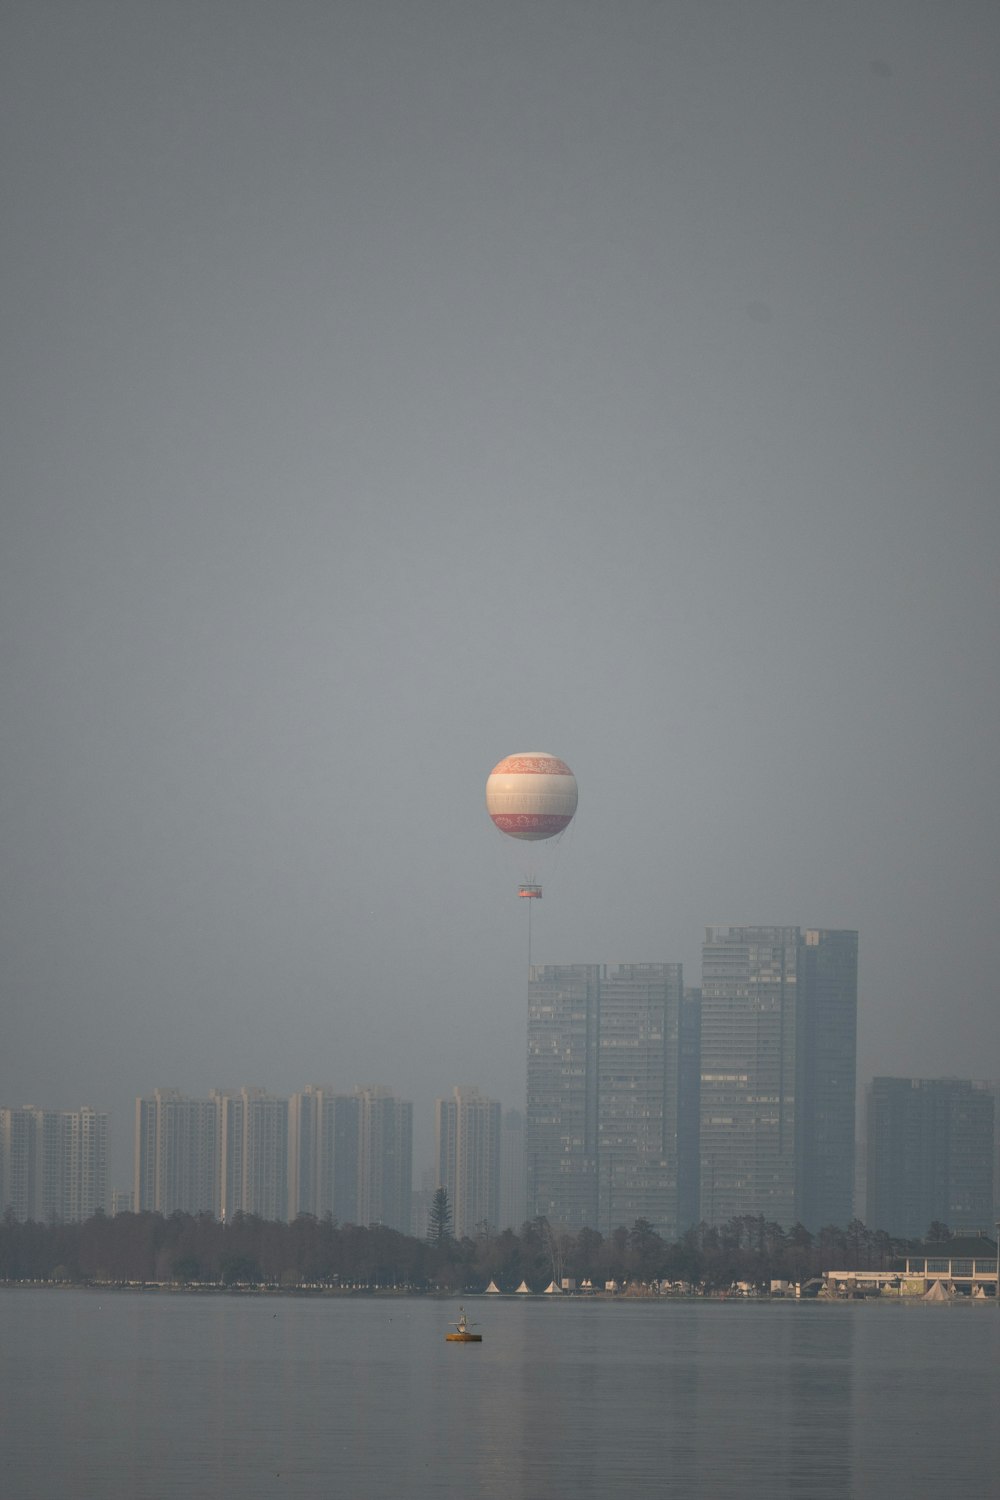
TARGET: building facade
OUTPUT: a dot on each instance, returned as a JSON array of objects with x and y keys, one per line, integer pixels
[
  {"x": 468, "y": 1136},
  {"x": 930, "y": 1155},
  {"x": 561, "y": 1136},
  {"x": 993, "y": 1089},
  {"x": 513, "y": 1185},
  {"x": 247, "y": 1151},
  {"x": 606, "y": 1089},
  {"x": 827, "y": 1035},
  {"x": 385, "y": 1158},
  {"x": 638, "y": 1085},
  {"x": 778, "y": 1075},
  {"x": 749, "y": 1012},
  {"x": 53, "y": 1163},
  {"x": 239, "y": 1151},
  {"x": 323, "y": 1154},
  {"x": 253, "y": 1153},
  {"x": 176, "y": 1154},
  {"x": 17, "y": 1163},
  {"x": 689, "y": 1112}
]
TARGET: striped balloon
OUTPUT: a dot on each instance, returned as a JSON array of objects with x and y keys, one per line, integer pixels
[{"x": 531, "y": 796}]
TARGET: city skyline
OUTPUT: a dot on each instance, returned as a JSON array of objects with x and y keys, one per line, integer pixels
[
  {"x": 833, "y": 1178},
  {"x": 424, "y": 1126},
  {"x": 400, "y": 400},
  {"x": 643, "y": 1095},
  {"x": 391, "y": 389},
  {"x": 932, "y": 1149}
]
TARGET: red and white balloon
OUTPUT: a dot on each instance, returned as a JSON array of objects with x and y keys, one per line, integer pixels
[{"x": 531, "y": 796}]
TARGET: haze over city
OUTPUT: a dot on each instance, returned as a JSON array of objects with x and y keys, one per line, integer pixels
[{"x": 392, "y": 388}]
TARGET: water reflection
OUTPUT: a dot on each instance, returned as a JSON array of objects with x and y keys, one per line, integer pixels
[
  {"x": 131, "y": 1396},
  {"x": 926, "y": 1397},
  {"x": 684, "y": 1399}
]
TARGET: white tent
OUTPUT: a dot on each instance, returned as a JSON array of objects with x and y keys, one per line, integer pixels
[
  {"x": 937, "y": 1292},
  {"x": 492, "y": 1288},
  {"x": 524, "y": 1289},
  {"x": 553, "y": 1288}
]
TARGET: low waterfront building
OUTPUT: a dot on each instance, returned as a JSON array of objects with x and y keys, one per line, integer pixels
[{"x": 964, "y": 1262}]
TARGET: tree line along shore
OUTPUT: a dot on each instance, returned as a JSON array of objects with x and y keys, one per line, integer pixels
[{"x": 200, "y": 1250}]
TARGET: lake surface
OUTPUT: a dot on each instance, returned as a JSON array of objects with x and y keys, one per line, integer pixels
[{"x": 140, "y": 1396}]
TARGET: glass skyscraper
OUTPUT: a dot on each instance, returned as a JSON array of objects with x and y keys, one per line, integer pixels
[
  {"x": 778, "y": 1074},
  {"x": 827, "y": 1088},
  {"x": 930, "y": 1155},
  {"x": 749, "y": 1011},
  {"x": 605, "y": 1093}
]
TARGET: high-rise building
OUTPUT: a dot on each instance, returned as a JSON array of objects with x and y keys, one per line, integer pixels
[
  {"x": 304, "y": 1114},
  {"x": 689, "y": 1112},
  {"x": 605, "y": 1092},
  {"x": 638, "y": 1095},
  {"x": 176, "y": 1163},
  {"x": 247, "y": 1151},
  {"x": 253, "y": 1153},
  {"x": 778, "y": 1049},
  {"x": 561, "y": 1140},
  {"x": 993, "y": 1089},
  {"x": 53, "y": 1163},
  {"x": 323, "y": 1154},
  {"x": 17, "y": 1163},
  {"x": 385, "y": 1158},
  {"x": 827, "y": 1039},
  {"x": 513, "y": 1196},
  {"x": 749, "y": 1014},
  {"x": 467, "y": 1130},
  {"x": 930, "y": 1155}
]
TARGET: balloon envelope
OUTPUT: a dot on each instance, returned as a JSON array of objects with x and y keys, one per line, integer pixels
[{"x": 531, "y": 796}]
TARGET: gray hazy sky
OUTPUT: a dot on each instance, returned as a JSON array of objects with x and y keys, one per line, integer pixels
[{"x": 388, "y": 387}]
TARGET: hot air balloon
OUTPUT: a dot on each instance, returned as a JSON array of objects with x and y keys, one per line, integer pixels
[{"x": 531, "y": 796}]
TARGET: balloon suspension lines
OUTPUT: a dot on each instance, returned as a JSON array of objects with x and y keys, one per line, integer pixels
[{"x": 529, "y": 893}]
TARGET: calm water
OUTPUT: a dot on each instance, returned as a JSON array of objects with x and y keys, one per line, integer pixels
[{"x": 130, "y": 1395}]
